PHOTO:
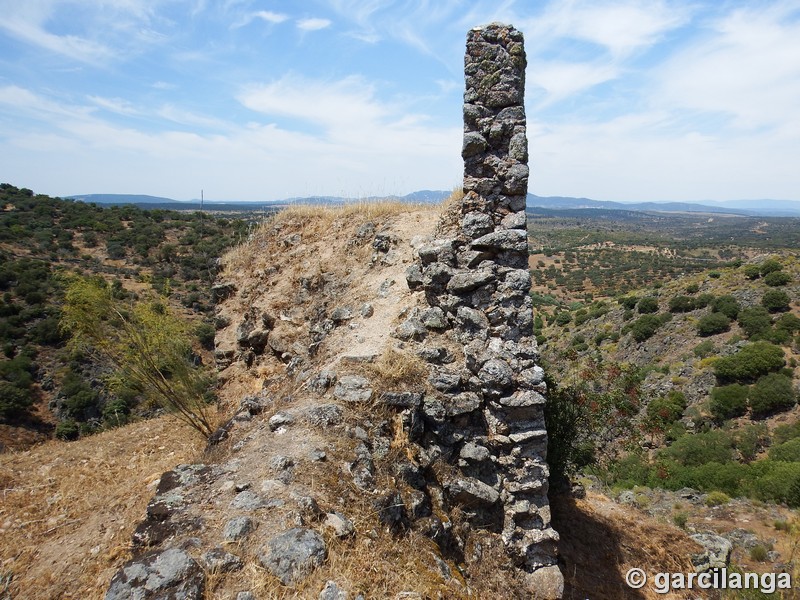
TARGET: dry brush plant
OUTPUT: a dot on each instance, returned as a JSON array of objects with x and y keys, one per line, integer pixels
[{"x": 148, "y": 346}]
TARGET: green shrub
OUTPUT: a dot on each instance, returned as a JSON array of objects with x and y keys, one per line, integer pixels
[
  {"x": 703, "y": 300},
  {"x": 771, "y": 393},
  {"x": 205, "y": 333},
  {"x": 773, "y": 481},
  {"x": 700, "y": 449},
  {"x": 717, "y": 498},
  {"x": 750, "y": 439},
  {"x": 754, "y": 320},
  {"x": 666, "y": 409},
  {"x": 647, "y": 305},
  {"x": 727, "y": 305},
  {"x": 630, "y": 470},
  {"x": 728, "y": 402},
  {"x": 752, "y": 271},
  {"x": 786, "y": 452},
  {"x": 784, "y": 433},
  {"x": 752, "y": 361},
  {"x": 67, "y": 430},
  {"x": 563, "y": 318},
  {"x": 712, "y": 324},
  {"x": 777, "y": 278},
  {"x": 680, "y": 519},
  {"x": 758, "y": 553},
  {"x": 770, "y": 266},
  {"x": 775, "y": 301},
  {"x": 788, "y": 322},
  {"x": 644, "y": 327},
  {"x": 681, "y": 304},
  {"x": 692, "y": 288},
  {"x": 628, "y": 302},
  {"x": 714, "y": 274},
  {"x": 14, "y": 401},
  {"x": 705, "y": 349}
]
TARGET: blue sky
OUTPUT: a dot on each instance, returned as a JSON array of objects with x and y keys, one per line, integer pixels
[{"x": 260, "y": 100}]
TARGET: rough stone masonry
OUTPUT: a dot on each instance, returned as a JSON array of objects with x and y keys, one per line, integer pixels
[{"x": 492, "y": 412}]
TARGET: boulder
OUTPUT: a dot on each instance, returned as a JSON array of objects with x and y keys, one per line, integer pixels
[
  {"x": 293, "y": 554},
  {"x": 170, "y": 573}
]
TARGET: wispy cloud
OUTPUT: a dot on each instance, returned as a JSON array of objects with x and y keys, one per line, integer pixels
[
  {"x": 329, "y": 103},
  {"x": 747, "y": 67},
  {"x": 267, "y": 16},
  {"x": 313, "y": 24}
]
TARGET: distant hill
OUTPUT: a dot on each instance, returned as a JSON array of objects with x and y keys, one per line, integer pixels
[
  {"x": 766, "y": 208},
  {"x": 122, "y": 199}
]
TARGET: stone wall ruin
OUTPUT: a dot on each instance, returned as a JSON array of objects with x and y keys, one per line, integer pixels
[{"x": 488, "y": 415}]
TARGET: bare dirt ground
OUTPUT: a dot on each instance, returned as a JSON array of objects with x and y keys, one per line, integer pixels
[{"x": 68, "y": 509}]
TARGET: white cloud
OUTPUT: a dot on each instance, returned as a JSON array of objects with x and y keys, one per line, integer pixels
[
  {"x": 382, "y": 151},
  {"x": 116, "y": 105},
  {"x": 313, "y": 24},
  {"x": 329, "y": 103},
  {"x": 747, "y": 67},
  {"x": 263, "y": 15},
  {"x": 270, "y": 17}
]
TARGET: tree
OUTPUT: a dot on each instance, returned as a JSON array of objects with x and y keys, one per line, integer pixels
[{"x": 149, "y": 347}]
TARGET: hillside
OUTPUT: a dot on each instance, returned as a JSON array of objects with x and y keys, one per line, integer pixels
[
  {"x": 48, "y": 387},
  {"x": 298, "y": 452}
]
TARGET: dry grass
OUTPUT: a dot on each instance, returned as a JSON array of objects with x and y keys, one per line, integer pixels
[
  {"x": 312, "y": 222},
  {"x": 398, "y": 369},
  {"x": 68, "y": 509}
]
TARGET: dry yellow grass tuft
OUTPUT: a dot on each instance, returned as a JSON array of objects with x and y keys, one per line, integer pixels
[
  {"x": 395, "y": 368},
  {"x": 68, "y": 509}
]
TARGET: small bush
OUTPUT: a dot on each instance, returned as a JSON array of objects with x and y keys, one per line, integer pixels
[
  {"x": 563, "y": 318},
  {"x": 681, "y": 304},
  {"x": 628, "y": 302},
  {"x": 727, "y": 305},
  {"x": 717, "y": 498},
  {"x": 771, "y": 393},
  {"x": 648, "y": 305},
  {"x": 714, "y": 274},
  {"x": 777, "y": 278},
  {"x": 705, "y": 349},
  {"x": 786, "y": 452},
  {"x": 713, "y": 446},
  {"x": 665, "y": 410},
  {"x": 775, "y": 301},
  {"x": 644, "y": 327},
  {"x": 692, "y": 288},
  {"x": 703, "y": 300},
  {"x": 67, "y": 430},
  {"x": 770, "y": 266},
  {"x": 752, "y": 272},
  {"x": 758, "y": 553},
  {"x": 712, "y": 324},
  {"x": 784, "y": 433},
  {"x": 751, "y": 362},
  {"x": 754, "y": 320},
  {"x": 728, "y": 402},
  {"x": 680, "y": 519}
]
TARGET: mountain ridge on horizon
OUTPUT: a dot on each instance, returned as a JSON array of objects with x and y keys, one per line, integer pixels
[{"x": 742, "y": 207}]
